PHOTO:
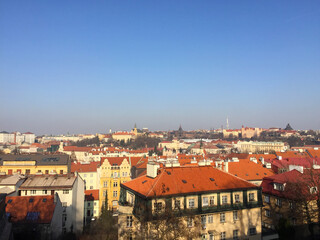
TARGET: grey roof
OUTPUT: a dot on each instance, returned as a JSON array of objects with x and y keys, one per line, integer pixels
[
  {"x": 10, "y": 180},
  {"x": 49, "y": 182},
  {"x": 41, "y": 159},
  {"x": 6, "y": 190}
]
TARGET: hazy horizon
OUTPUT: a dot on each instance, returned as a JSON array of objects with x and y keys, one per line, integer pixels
[{"x": 86, "y": 67}]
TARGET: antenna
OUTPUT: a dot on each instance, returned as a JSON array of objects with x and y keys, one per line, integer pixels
[{"x": 227, "y": 123}]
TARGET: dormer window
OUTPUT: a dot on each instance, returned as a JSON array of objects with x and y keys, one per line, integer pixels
[
  {"x": 313, "y": 190},
  {"x": 278, "y": 186}
]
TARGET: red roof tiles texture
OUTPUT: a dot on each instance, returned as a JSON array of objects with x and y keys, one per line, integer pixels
[
  {"x": 20, "y": 206},
  {"x": 183, "y": 180}
]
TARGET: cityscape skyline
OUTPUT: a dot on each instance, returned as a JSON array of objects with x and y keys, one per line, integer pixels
[{"x": 84, "y": 67}]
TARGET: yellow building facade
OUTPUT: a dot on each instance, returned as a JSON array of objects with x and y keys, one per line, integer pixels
[
  {"x": 33, "y": 164},
  {"x": 113, "y": 171}
]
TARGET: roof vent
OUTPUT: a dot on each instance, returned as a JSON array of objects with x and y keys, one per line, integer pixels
[
  {"x": 184, "y": 181},
  {"x": 212, "y": 179},
  {"x": 169, "y": 173},
  {"x": 31, "y": 200},
  {"x": 143, "y": 182}
]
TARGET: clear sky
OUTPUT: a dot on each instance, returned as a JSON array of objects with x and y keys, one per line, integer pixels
[{"x": 88, "y": 66}]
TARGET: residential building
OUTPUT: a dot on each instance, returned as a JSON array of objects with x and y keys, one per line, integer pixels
[
  {"x": 70, "y": 189},
  {"x": 291, "y": 196},
  {"x": 91, "y": 205},
  {"x": 209, "y": 202},
  {"x": 113, "y": 171},
  {"x": 88, "y": 172},
  {"x": 33, "y": 164},
  {"x": 9, "y": 184},
  {"x": 35, "y": 217}
]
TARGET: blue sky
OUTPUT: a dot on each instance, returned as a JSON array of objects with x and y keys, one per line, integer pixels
[{"x": 88, "y": 66}]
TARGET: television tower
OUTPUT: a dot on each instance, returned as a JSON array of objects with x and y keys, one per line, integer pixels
[{"x": 227, "y": 123}]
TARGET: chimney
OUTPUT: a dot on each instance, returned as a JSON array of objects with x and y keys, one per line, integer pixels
[
  {"x": 226, "y": 166},
  {"x": 279, "y": 157},
  {"x": 152, "y": 168}
]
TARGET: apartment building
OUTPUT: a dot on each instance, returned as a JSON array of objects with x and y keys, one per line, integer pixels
[
  {"x": 33, "y": 164},
  {"x": 291, "y": 197},
  {"x": 88, "y": 172},
  {"x": 70, "y": 189},
  {"x": 91, "y": 205},
  {"x": 35, "y": 217},
  {"x": 113, "y": 171},
  {"x": 207, "y": 202}
]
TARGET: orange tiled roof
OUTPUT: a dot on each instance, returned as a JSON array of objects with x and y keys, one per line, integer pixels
[
  {"x": 20, "y": 206},
  {"x": 292, "y": 154},
  {"x": 249, "y": 170},
  {"x": 79, "y": 167},
  {"x": 184, "y": 180},
  {"x": 314, "y": 153},
  {"x": 91, "y": 195}
]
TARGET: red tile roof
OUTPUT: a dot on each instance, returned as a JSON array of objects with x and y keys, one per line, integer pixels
[
  {"x": 20, "y": 206},
  {"x": 314, "y": 153},
  {"x": 186, "y": 180},
  {"x": 286, "y": 177},
  {"x": 249, "y": 170},
  {"x": 87, "y": 167},
  {"x": 91, "y": 195}
]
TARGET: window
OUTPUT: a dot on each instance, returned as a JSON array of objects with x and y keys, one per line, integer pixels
[
  {"x": 115, "y": 174},
  {"x": 47, "y": 171},
  {"x": 115, "y": 184},
  {"x": 291, "y": 205},
  {"x": 88, "y": 213},
  {"x": 91, "y": 187},
  {"x": 89, "y": 204},
  {"x": 223, "y": 235},
  {"x": 235, "y": 215},
  {"x": 44, "y": 191},
  {"x": 65, "y": 192},
  {"x": 236, "y": 198},
  {"x": 91, "y": 175},
  {"x": 190, "y": 222},
  {"x": 211, "y": 201},
  {"x": 210, "y": 218},
  {"x": 191, "y": 203},
  {"x": 27, "y": 171},
  {"x": 267, "y": 199},
  {"x": 85, "y": 175},
  {"x": 115, "y": 193},
  {"x": 251, "y": 197},
  {"x": 157, "y": 206},
  {"x": 278, "y": 186},
  {"x": 61, "y": 171},
  {"x": 222, "y": 217},
  {"x": 203, "y": 219},
  {"x": 33, "y": 191},
  {"x": 313, "y": 190},
  {"x": 236, "y": 234},
  {"x": 224, "y": 199},
  {"x": 267, "y": 213},
  {"x": 211, "y": 237},
  {"x": 205, "y": 201},
  {"x": 252, "y": 231},
  {"x": 279, "y": 202},
  {"x": 129, "y": 221},
  {"x": 177, "y": 204},
  {"x": 104, "y": 193}
]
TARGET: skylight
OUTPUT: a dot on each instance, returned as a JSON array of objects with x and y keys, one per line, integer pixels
[
  {"x": 31, "y": 200},
  {"x": 184, "y": 181},
  {"x": 10, "y": 201},
  {"x": 32, "y": 216}
]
